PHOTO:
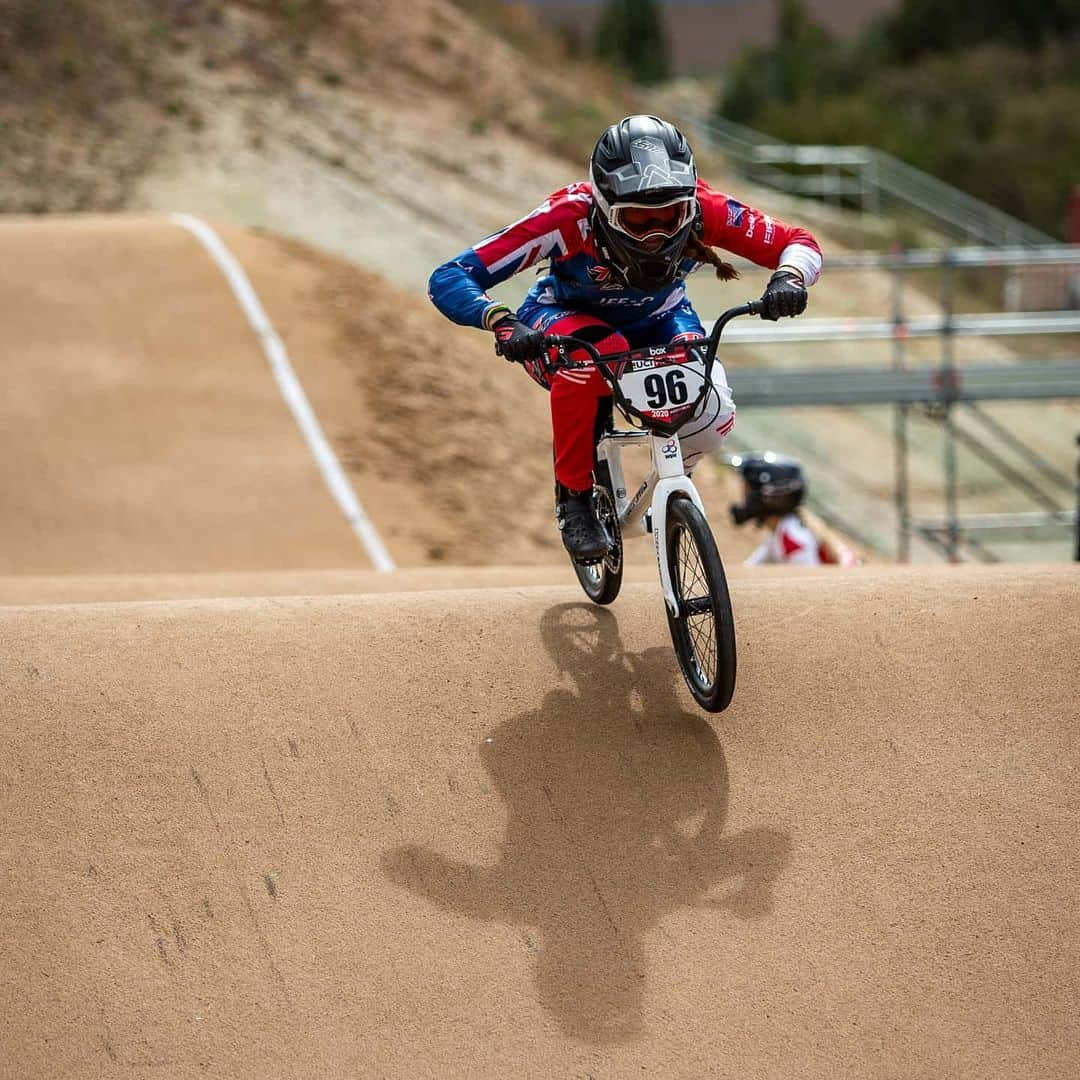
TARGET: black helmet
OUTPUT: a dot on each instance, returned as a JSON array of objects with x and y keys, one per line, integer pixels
[
  {"x": 774, "y": 485},
  {"x": 644, "y": 200}
]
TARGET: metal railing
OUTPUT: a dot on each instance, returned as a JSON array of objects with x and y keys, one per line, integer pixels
[
  {"x": 1026, "y": 380},
  {"x": 865, "y": 176},
  {"x": 989, "y": 324}
]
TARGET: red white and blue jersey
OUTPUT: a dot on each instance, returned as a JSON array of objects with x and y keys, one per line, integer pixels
[{"x": 558, "y": 231}]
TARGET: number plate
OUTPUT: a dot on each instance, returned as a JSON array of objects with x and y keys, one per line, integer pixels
[{"x": 663, "y": 383}]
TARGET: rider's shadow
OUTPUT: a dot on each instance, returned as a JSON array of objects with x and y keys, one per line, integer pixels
[{"x": 616, "y": 814}]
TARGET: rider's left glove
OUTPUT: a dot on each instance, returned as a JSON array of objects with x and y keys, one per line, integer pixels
[
  {"x": 784, "y": 295},
  {"x": 517, "y": 341}
]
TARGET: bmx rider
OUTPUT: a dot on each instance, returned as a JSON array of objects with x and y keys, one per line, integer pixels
[{"x": 619, "y": 248}]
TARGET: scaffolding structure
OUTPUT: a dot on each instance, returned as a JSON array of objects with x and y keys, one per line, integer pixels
[{"x": 940, "y": 390}]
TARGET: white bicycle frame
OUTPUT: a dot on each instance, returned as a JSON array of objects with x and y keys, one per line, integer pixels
[{"x": 646, "y": 510}]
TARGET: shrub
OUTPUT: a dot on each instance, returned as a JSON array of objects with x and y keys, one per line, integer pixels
[{"x": 998, "y": 121}]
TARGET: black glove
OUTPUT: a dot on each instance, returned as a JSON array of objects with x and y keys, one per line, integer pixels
[
  {"x": 517, "y": 341},
  {"x": 784, "y": 295}
]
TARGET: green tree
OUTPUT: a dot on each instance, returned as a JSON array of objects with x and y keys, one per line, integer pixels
[
  {"x": 803, "y": 50},
  {"x": 630, "y": 34},
  {"x": 804, "y": 60},
  {"x": 996, "y": 121},
  {"x": 936, "y": 26}
]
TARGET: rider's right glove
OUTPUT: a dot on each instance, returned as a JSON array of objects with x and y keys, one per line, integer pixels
[
  {"x": 517, "y": 341},
  {"x": 784, "y": 295}
]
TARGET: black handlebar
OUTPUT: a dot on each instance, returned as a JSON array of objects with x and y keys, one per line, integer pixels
[
  {"x": 751, "y": 307},
  {"x": 563, "y": 342}
]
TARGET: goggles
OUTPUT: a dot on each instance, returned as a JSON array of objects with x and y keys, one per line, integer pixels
[{"x": 645, "y": 221}]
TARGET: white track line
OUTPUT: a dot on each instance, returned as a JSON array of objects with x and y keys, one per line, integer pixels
[{"x": 291, "y": 390}]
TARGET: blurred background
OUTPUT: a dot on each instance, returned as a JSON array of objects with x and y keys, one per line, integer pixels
[{"x": 933, "y": 146}]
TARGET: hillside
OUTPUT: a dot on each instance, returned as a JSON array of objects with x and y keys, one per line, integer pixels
[
  {"x": 393, "y": 136},
  {"x": 375, "y": 130}
]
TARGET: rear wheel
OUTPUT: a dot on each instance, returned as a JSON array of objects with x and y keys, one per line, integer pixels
[
  {"x": 703, "y": 632},
  {"x": 603, "y": 579}
]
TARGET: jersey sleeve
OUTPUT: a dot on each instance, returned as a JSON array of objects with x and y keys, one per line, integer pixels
[
  {"x": 556, "y": 228},
  {"x": 754, "y": 235}
]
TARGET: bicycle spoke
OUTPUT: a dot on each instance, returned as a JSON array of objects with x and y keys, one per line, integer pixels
[
  {"x": 708, "y": 653},
  {"x": 704, "y": 656},
  {"x": 692, "y": 591},
  {"x": 694, "y": 583}
]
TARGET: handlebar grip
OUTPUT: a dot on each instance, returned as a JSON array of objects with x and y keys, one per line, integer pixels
[{"x": 754, "y": 307}]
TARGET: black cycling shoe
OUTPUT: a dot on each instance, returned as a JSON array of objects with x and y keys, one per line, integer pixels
[{"x": 583, "y": 536}]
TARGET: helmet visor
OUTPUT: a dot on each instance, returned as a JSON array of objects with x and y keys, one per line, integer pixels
[{"x": 640, "y": 221}]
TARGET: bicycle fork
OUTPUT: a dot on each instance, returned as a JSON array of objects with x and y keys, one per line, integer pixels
[{"x": 639, "y": 511}]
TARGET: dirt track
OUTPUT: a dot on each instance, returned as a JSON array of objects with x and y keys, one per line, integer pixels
[
  {"x": 141, "y": 430},
  {"x": 473, "y": 826},
  {"x": 486, "y": 833}
]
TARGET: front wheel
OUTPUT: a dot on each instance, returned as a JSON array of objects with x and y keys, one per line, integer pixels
[
  {"x": 602, "y": 580},
  {"x": 703, "y": 632}
]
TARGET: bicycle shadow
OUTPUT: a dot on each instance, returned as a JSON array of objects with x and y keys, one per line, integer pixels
[{"x": 617, "y": 804}]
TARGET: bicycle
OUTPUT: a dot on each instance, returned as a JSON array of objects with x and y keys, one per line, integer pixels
[{"x": 653, "y": 388}]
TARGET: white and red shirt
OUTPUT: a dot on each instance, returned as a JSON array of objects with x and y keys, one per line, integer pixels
[{"x": 793, "y": 543}]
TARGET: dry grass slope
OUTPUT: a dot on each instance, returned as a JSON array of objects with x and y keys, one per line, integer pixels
[{"x": 96, "y": 96}]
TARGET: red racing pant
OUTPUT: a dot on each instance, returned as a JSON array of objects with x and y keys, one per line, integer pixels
[{"x": 575, "y": 396}]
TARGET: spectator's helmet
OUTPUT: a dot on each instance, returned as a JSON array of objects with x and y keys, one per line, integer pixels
[
  {"x": 644, "y": 200},
  {"x": 774, "y": 485}
]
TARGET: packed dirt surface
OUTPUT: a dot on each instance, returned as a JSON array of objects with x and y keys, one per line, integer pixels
[
  {"x": 19, "y": 590},
  {"x": 486, "y": 833},
  {"x": 140, "y": 428}
]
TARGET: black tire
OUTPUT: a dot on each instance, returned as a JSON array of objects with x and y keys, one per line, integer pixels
[
  {"x": 602, "y": 580},
  {"x": 703, "y": 633}
]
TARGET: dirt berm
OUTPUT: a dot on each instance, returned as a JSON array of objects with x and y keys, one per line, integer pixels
[{"x": 485, "y": 833}]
